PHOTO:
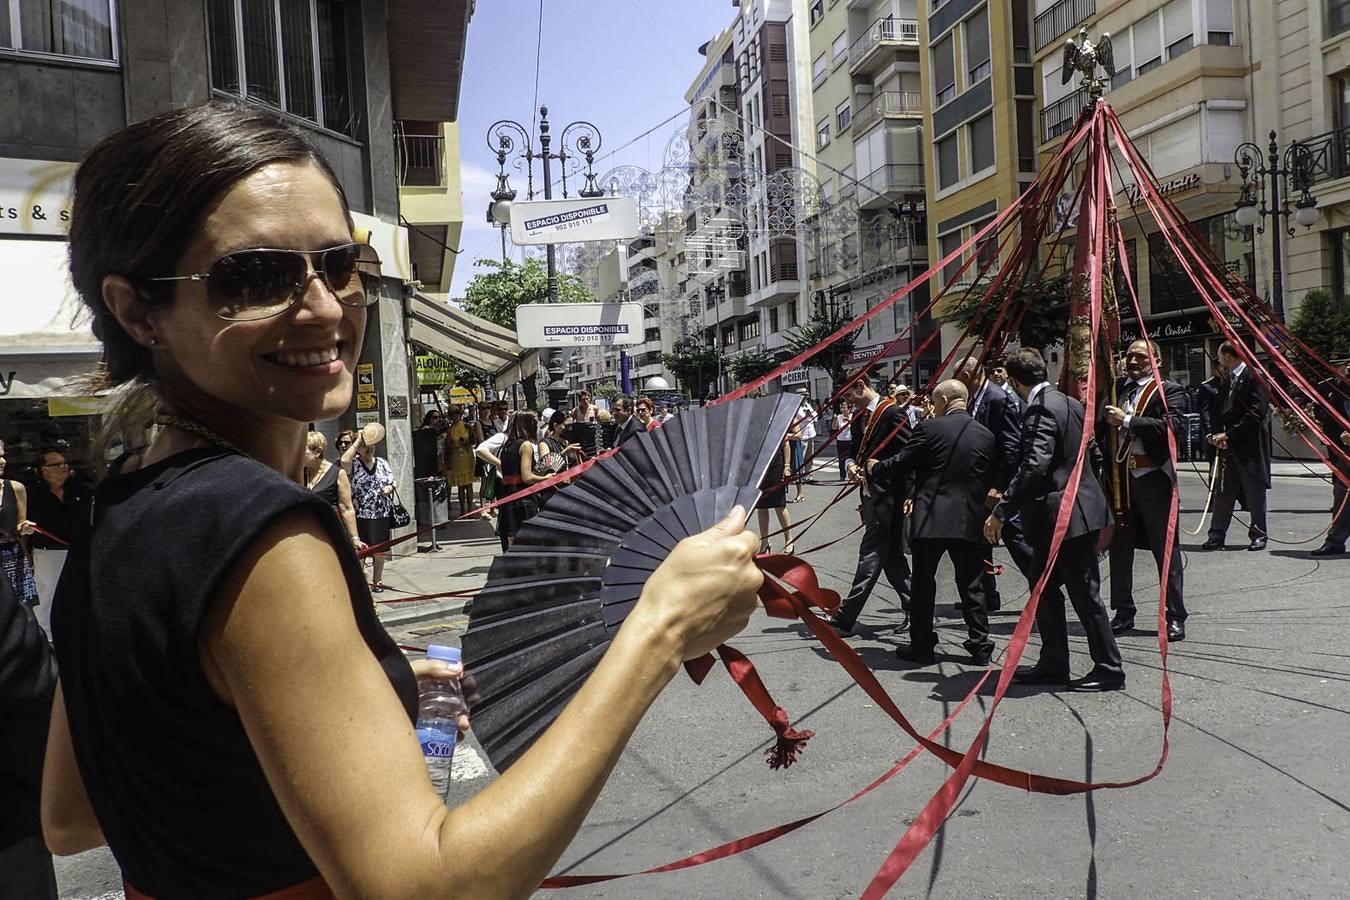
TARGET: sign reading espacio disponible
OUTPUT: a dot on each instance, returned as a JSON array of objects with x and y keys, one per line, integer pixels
[
  {"x": 574, "y": 220},
  {"x": 572, "y": 324},
  {"x": 35, "y": 197}
]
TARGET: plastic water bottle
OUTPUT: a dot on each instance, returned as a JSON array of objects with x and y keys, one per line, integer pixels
[{"x": 442, "y": 703}]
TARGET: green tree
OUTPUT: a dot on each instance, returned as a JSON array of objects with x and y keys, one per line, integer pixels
[
  {"x": 606, "y": 390},
  {"x": 1323, "y": 323},
  {"x": 494, "y": 295},
  {"x": 694, "y": 364},
  {"x": 1041, "y": 302},
  {"x": 817, "y": 329},
  {"x": 752, "y": 365}
]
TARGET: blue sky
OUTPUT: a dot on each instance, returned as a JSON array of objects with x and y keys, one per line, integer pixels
[{"x": 622, "y": 64}]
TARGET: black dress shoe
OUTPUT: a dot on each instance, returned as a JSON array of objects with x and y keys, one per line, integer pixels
[
  {"x": 1176, "y": 631},
  {"x": 1257, "y": 544},
  {"x": 981, "y": 657},
  {"x": 1122, "y": 624},
  {"x": 1037, "y": 675},
  {"x": 1329, "y": 550},
  {"x": 1212, "y": 544},
  {"x": 1100, "y": 679},
  {"x": 910, "y": 653},
  {"x": 839, "y": 627}
]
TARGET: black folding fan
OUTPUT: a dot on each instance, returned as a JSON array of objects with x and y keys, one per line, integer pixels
[{"x": 554, "y": 601}]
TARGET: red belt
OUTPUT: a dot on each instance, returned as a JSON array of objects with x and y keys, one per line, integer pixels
[
  {"x": 1142, "y": 461},
  {"x": 512, "y": 479},
  {"x": 313, "y": 889}
]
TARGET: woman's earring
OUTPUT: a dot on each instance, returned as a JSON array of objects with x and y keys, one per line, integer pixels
[{"x": 154, "y": 342}]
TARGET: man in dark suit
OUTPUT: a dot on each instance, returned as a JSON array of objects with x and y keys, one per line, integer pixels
[
  {"x": 1336, "y": 395},
  {"x": 629, "y": 427},
  {"x": 1207, "y": 406},
  {"x": 27, "y": 682},
  {"x": 879, "y": 431},
  {"x": 951, "y": 458},
  {"x": 1141, "y": 479},
  {"x": 1052, "y": 433},
  {"x": 1244, "y": 451},
  {"x": 992, "y": 407}
]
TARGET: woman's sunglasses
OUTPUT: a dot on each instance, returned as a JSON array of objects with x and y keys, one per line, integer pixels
[{"x": 248, "y": 285}]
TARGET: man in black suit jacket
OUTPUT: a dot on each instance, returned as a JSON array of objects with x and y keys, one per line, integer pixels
[
  {"x": 951, "y": 458},
  {"x": 1244, "y": 451},
  {"x": 1141, "y": 480},
  {"x": 629, "y": 426},
  {"x": 1207, "y": 406},
  {"x": 880, "y": 429},
  {"x": 1052, "y": 433},
  {"x": 27, "y": 682},
  {"x": 1336, "y": 395},
  {"x": 992, "y": 407}
]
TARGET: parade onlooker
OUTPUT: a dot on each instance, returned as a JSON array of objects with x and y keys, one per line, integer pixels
[
  {"x": 518, "y": 472},
  {"x": 645, "y": 413},
  {"x": 950, "y": 459},
  {"x": 59, "y": 505},
  {"x": 843, "y": 442},
  {"x": 459, "y": 458},
  {"x": 1141, "y": 481},
  {"x": 1242, "y": 418},
  {"x": 802, "y": 439},
  {"x": 27, "y": 683},
  {"x": 774, "y": 486},
  {"x": 232, "y": 718},
  {"x": 1052, "y": 433},
  {"x": 15, "y": 529},
  {"x": 372, "y": 485},
  {"x": 345, "y": 440},
  {"x": 585, "y": 410},
  {"x": 426, "y": 446},
  {"x": 331, "y": 482},
  {"x": 629, "y": 426}
]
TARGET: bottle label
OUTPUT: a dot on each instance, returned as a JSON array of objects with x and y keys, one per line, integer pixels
[{"x": 435, "y": 742}]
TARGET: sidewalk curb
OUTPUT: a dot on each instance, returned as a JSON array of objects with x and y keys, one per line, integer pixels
[{"x": 438, "y": 610}]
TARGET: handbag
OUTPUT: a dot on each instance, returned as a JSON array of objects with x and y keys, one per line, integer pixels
[{"x": 398, "y": 513}]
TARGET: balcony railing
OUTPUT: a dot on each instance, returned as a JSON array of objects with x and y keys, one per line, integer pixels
[
  {"x": 887, "y": 105},
  {"x": 895, "y": 178},
  {"x": 1328, "y": 155},
  {"x": 889, "y": 30},
  {"x": 1061, "y": 18},
  {"x": 421, "y": 160},
  {"x": 1059, "y": 116}
]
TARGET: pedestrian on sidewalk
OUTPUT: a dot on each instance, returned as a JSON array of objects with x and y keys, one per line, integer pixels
[
  {"x": 15, "y": 563},
  {"x": 843, "y": 441},
  {"x": 774, "y": 486},
  {"x": 59, "y": 505},
  {"x": 332, "y": 483},
  {"x": 802, "y": 439},
  {"x": 372, "y": 486},
  {"x": 518, "y": 472},
  {"x": 459, "y": 458},
  {"x": 232, "y": 720}
]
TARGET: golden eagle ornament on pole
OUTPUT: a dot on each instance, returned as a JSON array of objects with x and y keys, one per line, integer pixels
[{"x": 1084, "y": 57}]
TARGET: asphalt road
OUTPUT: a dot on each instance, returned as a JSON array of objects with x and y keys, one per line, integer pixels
[{"x": 1254, "y": 800}]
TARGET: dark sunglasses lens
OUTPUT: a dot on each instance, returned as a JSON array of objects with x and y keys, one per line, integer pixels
[
  {"x": 255, "y": 284},
  {"x": 342, "y": 272}
]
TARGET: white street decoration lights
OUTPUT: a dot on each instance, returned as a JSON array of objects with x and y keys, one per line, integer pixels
[{"x": 1256, "y": 169}]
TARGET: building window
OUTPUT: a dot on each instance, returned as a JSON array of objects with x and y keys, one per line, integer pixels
[
  {"x": 77, "y": 28},
  {"x": 948, "y": 160},
  {"x": 1219, "y": 23},
  {"x": 944, "y": 70},
  {"x": 1340, "y": 261},
  {"x": 948, "y": 243},
  {"x": 843, "y": 114},
  {"x": 1026, "y": 136},
  {"x": 1171, "y": 289},
  {"x": 839, "y": 50},
  {"x": 750, "y": 329},
  {"x": 773, "y": 320},
  {"x": 982, "y": 143},
  {"x": 977, "y": 46},
  {"x": 820, "y": 70},
  {"x": 289, "y": 54},
  {"x": 817, "y": 10},
  {"x": 1338, "y": 16},
  {"x": 822, "y": 132}
]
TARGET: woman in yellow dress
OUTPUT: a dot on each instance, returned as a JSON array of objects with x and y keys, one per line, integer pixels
[{"x": 459, "y": 444}]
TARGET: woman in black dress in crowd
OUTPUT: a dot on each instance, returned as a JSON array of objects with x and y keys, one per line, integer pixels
[
  {"x": 518, "y": 472},
  {"x": 775, "y": 497},
  {"x": 332, "y": 483}
]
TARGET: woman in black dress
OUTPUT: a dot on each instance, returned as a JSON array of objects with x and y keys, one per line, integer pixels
[
  {"x": 774, "y": 485},
  {"x": 518, "y": 473},
  {"x": 332, "y": 483}
]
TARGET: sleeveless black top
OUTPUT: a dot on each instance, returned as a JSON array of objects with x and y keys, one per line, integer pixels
[
  {"x": 9, "y": 513},
  {"x": 327, "y": 486},
  {"x": 176, "y": 786}
]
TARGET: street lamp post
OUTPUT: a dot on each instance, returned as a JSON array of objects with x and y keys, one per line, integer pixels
[
  {"x": 1297, "y": 166},
  {"x": 580, "y": 140},
  {"x": 718, "y": 293}
]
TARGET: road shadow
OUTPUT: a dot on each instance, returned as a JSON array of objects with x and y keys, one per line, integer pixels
[{"x": 1303, "y": 555}]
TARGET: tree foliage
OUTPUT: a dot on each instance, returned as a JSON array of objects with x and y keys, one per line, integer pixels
[
  {"x": 1323, "y": 323},
  {"x": 1045, "y": 322},
  {"x": 607, "y": 390},
  {"x": 817, "y": 329},
  {"x": 752, "y": 365},
  {"x": 494, "y": 295},
  {"x": 694, "y": 364}
]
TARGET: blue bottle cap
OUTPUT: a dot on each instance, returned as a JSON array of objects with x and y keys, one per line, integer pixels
[{"x": 449, "y": 654}]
